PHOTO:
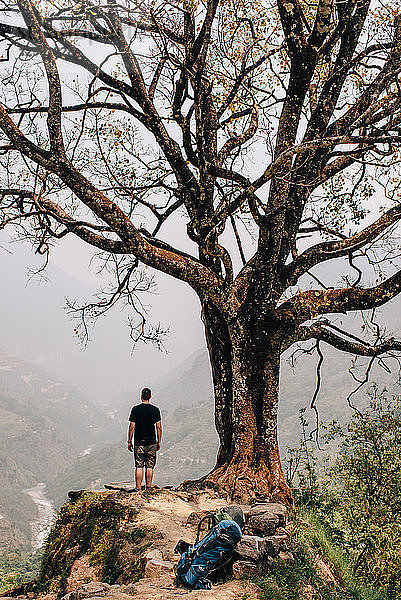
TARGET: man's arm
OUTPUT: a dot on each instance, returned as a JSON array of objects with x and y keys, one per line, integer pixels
[
  {"x": 159, "y": 434},
  {"x": 130, "y": 434}
]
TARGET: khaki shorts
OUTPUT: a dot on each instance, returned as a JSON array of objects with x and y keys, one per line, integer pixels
[{"x": 145, "y": 456}]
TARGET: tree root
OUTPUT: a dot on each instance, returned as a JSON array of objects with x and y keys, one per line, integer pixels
[{"x": 239, "y": 483}]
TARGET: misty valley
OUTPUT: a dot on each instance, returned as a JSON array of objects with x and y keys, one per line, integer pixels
[{"x": 52, "y": 434}]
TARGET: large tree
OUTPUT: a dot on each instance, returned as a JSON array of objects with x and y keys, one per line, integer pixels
[{"x": 263, "y": 129}]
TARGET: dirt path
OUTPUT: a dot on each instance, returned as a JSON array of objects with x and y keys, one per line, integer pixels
[{"x": 168, "y": 513}]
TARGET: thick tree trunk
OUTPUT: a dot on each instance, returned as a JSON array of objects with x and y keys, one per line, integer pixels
[
  {"x": 220, "y": 354},
  {"x": 253, "y": 467},
  {"x": 245, "y": 362}
]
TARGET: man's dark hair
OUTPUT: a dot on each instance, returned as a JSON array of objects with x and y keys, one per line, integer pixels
[{"x": 146, "y": 394}]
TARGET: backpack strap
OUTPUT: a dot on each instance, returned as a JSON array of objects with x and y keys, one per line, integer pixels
[{"x": 210, "y": 518}]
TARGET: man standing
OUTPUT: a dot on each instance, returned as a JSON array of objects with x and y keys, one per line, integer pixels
[{"x": 143, "y": 419}]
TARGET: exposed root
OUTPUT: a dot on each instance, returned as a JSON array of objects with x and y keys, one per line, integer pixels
[{"x": 239, "y": 483}]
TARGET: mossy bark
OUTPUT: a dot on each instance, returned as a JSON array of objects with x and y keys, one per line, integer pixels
[{"x": 245, "y": 361}]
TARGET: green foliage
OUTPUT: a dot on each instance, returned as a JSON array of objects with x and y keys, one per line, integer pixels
[
  {"x": 17, "y": 568},
  {"x": 26, "y": 564},
  {"x": 301, "y": 467},
  {"x": 303, "y": 579},
  {"x": 135, "y": 535},
  {"x": 346, "y": 198},
  {"x": 103, "y": 551},
  {"x": 367, "y": 476},
  {"x": 9, "y": 579},
  {"x": 90, "y": 526},
  {"x": 358, "y": 497}
]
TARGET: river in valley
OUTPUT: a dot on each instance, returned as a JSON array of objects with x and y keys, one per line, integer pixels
[{"x": 40, "y": 527}]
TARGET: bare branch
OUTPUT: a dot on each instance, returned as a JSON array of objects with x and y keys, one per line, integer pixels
[
  {"x": 335, "y": 249},
  {"x": 346, "y": 342}
]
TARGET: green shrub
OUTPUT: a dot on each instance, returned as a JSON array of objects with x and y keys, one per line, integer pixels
[
  {"x": 358, "y": 497},
  {"x": 291, "y": 581},
  {"x": 367, "y": 478},
  {"x": 9, "y": 580},
  {"x": 88, "y": 526}
]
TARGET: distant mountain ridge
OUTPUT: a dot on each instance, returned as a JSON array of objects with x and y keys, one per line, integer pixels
[{"x": 188, "y": 383}]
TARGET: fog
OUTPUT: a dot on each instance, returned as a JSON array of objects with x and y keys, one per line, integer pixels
[{"x": 36, "y": 326}]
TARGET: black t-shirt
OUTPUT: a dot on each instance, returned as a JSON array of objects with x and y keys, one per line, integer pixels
[{"x": 145, "y": 416}]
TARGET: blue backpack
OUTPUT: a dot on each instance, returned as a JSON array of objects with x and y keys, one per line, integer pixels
[{"x": 210, "y": 553}]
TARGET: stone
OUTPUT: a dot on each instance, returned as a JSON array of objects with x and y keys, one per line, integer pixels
[
  {"x": 195, "y": 517},
  {"x": 280, "y": 540},
  {"x": 248, "y": 547},
  {"x": 269, "y": 545},
  {"x": 263, "y": 524},
  {"x": 282, "y": 534},
  {"x": 243, "y": 569},
  {"x": 74, "y": 495},
  {"x": 131, "y": 589},
  {"x": 98, "y": 591},
  {"x": 324, "y": 571},
  {"x": 287, "y": 557},
  {"x": 264, "y": 563},
  {"x": 155, "y": 569},
  {"x": 265, "y": 519},
  {"x": 90, "y": 590},
  {"x": 154, "y": 554},
  {"x": 122, "y": 486},
  {"x": 273, "y": 508},
  {"x": 82, "y": 572},
  {"x": 252, "y": 547},
  {"x": 118, "y": 594}
]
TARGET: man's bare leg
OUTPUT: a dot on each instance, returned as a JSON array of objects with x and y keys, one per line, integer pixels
[
  {"x": 138, "y": 477},
  {"x": 149, "y": 477}
]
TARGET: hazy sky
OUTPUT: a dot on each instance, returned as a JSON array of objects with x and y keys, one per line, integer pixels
[{"x": 36, "y": 326}]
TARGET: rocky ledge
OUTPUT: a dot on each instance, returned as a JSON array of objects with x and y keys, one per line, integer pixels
[{"x": 118, "y": 545}]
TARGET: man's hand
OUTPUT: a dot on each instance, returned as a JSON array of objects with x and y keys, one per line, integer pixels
[{"x": 130, "y": 449}]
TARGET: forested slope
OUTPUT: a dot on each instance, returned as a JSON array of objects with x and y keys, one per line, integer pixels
[{"x": 44, "y": 425}]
